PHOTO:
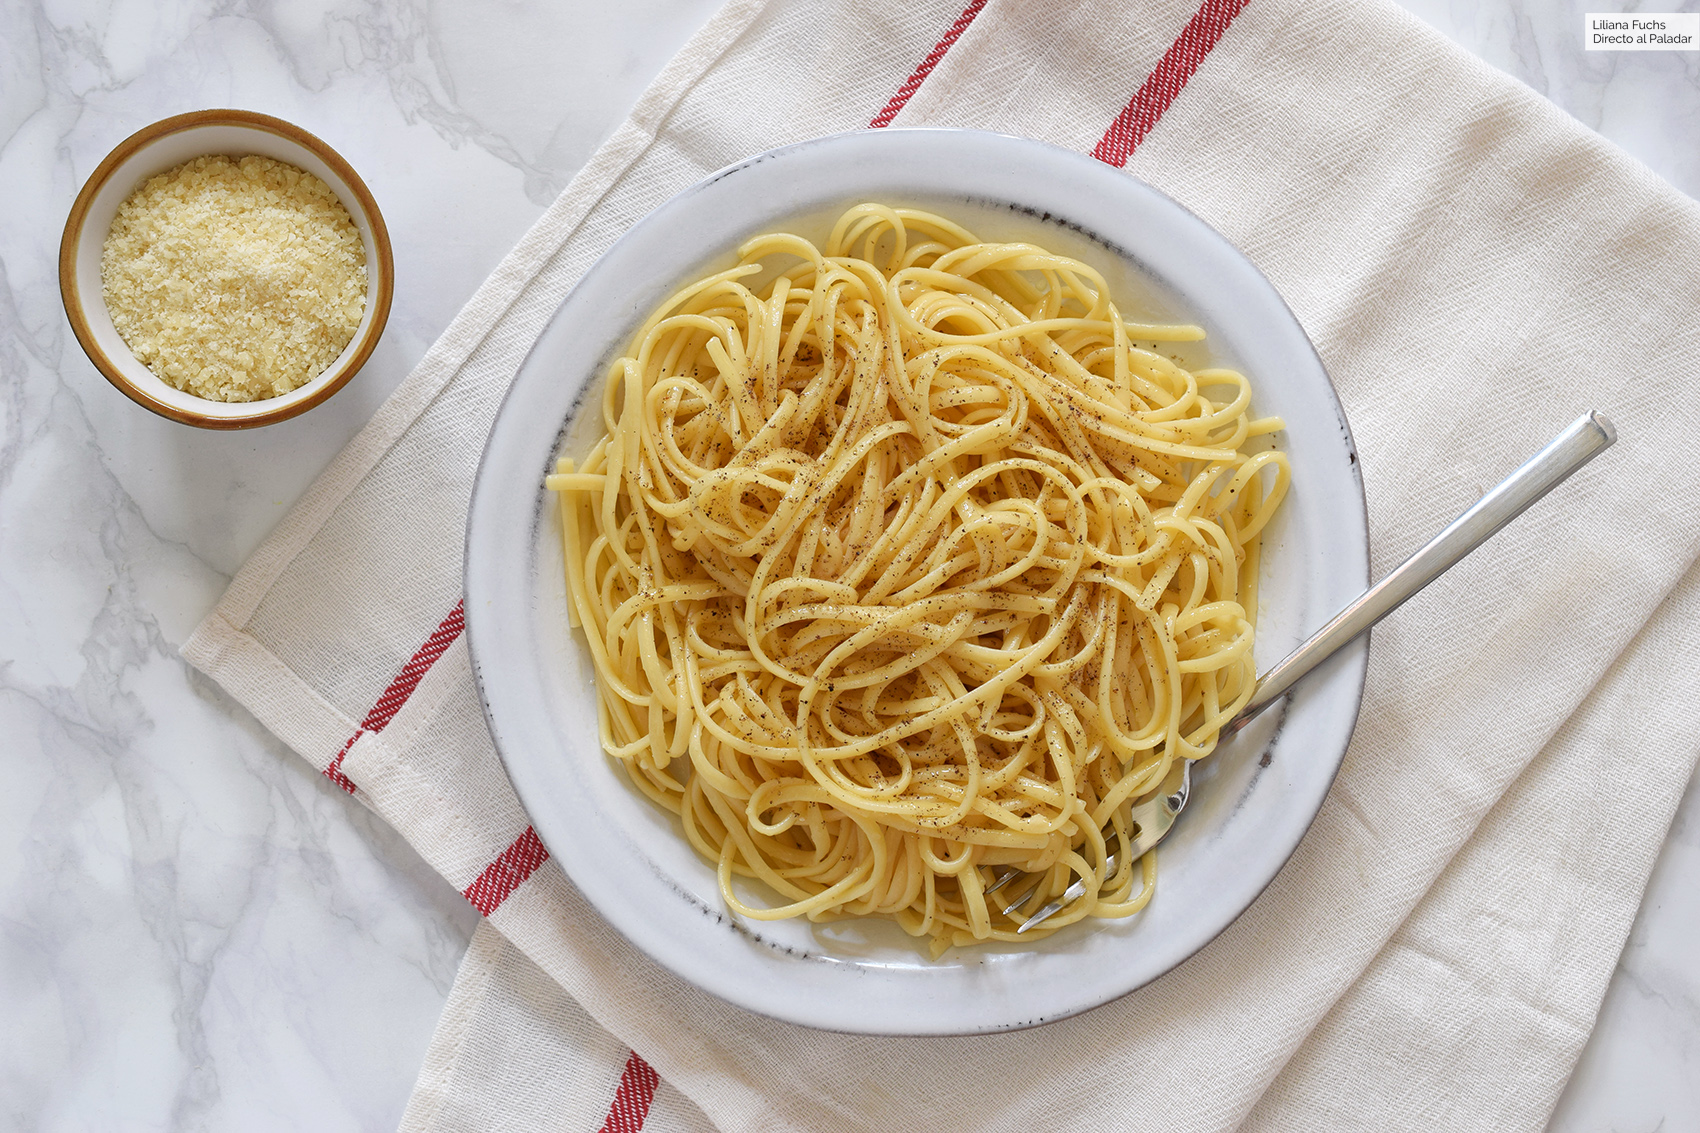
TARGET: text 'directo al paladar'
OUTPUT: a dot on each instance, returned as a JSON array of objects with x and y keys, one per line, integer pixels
[{"x": 1642, "y": 31}]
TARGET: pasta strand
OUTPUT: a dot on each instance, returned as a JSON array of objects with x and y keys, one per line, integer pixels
[{"x": 916, "y": 563}]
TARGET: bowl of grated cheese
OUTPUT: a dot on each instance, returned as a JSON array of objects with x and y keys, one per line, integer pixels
[{"x": 226, "y": 269}]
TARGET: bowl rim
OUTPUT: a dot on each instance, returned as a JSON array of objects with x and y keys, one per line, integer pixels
[{"x": 380, "y": 294}]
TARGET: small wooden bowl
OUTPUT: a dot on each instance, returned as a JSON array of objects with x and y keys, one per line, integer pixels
[{"x": 167, "y": 144}]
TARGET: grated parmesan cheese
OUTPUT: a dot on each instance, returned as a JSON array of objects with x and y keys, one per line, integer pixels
[{"x": 234, "y": 279}]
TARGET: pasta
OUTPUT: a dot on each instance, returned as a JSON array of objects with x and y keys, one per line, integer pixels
[{"x": 913, "y": 564}]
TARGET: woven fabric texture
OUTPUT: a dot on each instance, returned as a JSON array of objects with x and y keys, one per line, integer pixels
[{"x": 1474, "y": 269}]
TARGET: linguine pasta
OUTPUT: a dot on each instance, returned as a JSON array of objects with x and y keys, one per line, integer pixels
[{"x": 917, "y": 563}]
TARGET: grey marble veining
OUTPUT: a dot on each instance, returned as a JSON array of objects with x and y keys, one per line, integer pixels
[
  {"x": 199, "y": 932},
  {"x": 1648, "y": 102},
  {"x": 196, "y": 932}
]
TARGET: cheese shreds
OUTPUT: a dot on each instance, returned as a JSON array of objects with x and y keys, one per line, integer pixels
[{"x": 234, "y": 279}]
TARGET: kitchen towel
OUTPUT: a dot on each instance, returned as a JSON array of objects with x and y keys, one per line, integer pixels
[{"x": 1474, "y": 268}]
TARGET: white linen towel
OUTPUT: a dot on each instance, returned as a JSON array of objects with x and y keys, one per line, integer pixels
[{"x": 1474, "y": 268}]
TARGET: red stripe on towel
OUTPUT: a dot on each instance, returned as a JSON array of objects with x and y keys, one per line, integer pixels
[
  {"x": 502, "y": 876},
  {"x": 414, "y": 671},
  {"x": 393, "y": 697},
  {"x": 633, "y": 1098},
  {"x": 334, "y": 771},
  {"x": 1166, "y": 80},
  {"x": 919, "y": 75}
]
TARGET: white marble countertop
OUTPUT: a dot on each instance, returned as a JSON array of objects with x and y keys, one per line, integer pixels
[{"x": 200, "y": 932}]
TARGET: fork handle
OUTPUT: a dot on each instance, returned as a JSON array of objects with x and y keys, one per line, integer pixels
[{"x": 1585, "y": 439}]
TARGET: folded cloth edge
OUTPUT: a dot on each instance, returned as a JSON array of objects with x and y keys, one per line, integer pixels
[{"x": 365, "y": 450}]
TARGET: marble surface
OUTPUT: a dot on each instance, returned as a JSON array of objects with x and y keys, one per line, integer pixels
[{"x": 199, "y": 932}]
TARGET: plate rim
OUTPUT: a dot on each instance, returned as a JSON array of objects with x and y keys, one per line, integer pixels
[{"x": 1353, "y": 659}]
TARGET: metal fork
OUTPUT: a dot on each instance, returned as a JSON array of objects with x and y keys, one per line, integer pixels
[{"x": 1587, "y": 437}]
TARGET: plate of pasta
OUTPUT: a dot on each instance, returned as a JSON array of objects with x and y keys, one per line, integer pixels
[{"x": 870, "y": 530}]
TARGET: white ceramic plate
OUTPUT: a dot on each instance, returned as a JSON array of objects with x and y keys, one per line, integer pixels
[{"x": 1254, "y": 798}]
